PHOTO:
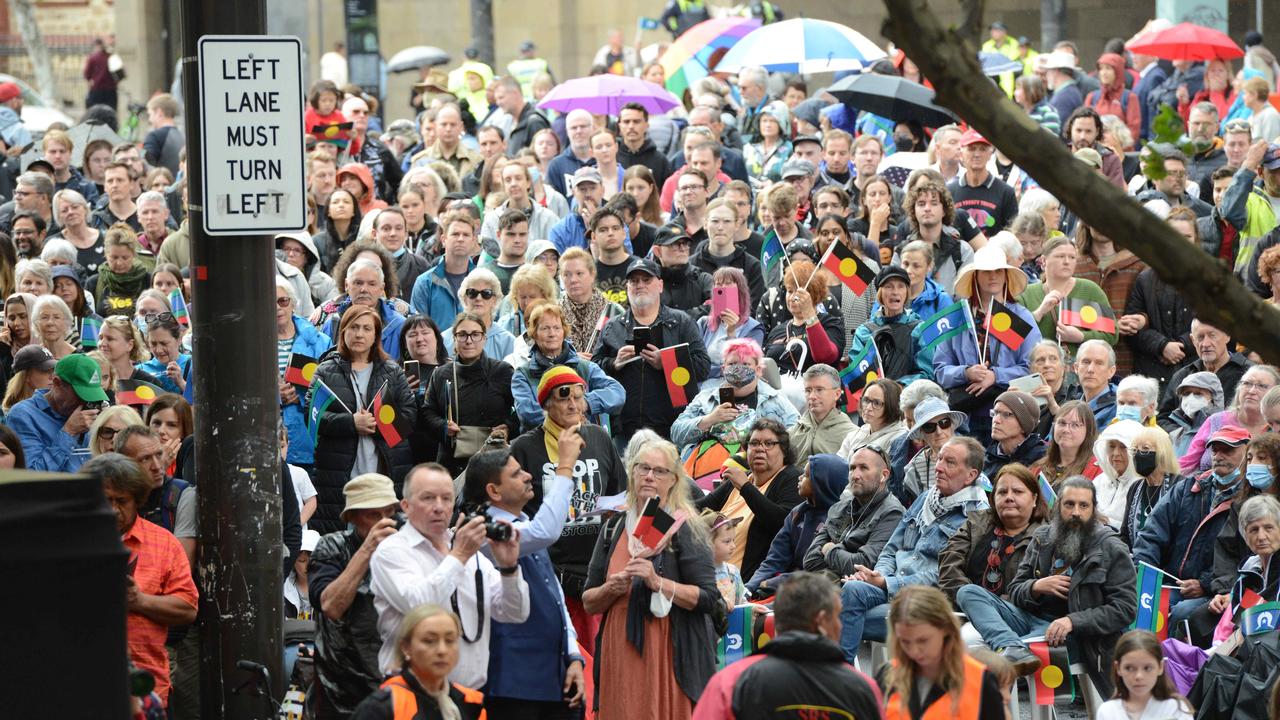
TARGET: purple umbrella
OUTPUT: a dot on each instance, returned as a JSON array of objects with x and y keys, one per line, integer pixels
[{"x": 606, "y": 94}]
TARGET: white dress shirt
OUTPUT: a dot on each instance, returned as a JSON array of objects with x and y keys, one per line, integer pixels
[{"x": 408, "y": 571}]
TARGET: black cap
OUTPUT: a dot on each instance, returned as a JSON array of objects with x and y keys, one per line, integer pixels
[
  {"x": 34, "y": 357},
  {"x": 806, "y": 138},
  {"x": 644, "y": 265},
  {"x": 670, "y": 235},
  {"x": 892, "y": 272}
]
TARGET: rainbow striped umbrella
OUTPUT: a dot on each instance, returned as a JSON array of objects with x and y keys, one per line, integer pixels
[
  {"x": 696, "y": 52},
  {"x": 803, "y": 45}
]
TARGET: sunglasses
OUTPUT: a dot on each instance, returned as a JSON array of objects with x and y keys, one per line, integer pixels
[
  {"x": 283, "y": 302},
  {"x": 933, "y": 426},
  {"x": 1237, "y": 126},
  {"x": 564, "y": 392},
  {"x": 149, "y": 318},
  {"x": 473, "y": 293}
]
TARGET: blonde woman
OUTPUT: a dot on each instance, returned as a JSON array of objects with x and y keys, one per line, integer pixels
[
  {"x": 930, "y": 672},
  {"x": 121, "y": 343},
  {"x": 638, "y": 671},
  {"x": 32, "y": 370},
  {"x": 102, "y": 433}
]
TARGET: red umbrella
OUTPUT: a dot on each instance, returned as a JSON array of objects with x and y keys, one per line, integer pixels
[{"x": 1187, "y": 41}]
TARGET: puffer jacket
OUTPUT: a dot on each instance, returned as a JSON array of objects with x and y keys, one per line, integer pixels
[
  {"x": 480, "y": 396},
  {"x": 953, "y": 563},
  {"x": 931, "y": 300},
  {"x": 910, "y": 557},
  {"x": 1100, "y": 601},
  {"x": 335, "y": 452},
  {"x": 604, "y": 394},
  {"x": 312, "y": 343},
  {"x": 1183, "y": 528},
  {"x": 1168, "y": 320},
  {"x": 829, "y": 476},
  {"x": 856, "y": 543},
  {"x": 1031, "y": 449}
]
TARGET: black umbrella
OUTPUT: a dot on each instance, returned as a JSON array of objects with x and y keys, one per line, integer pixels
[{"x": 891, "y": 97}]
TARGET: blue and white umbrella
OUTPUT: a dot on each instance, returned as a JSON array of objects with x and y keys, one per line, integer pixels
[
  {"x": 803, "y": 45},
  {"x": 994, "y": 63}
]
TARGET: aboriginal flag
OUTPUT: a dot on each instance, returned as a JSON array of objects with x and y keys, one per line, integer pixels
[
  {"x": 653, "y": 525},
  {"x": 851, "y": 271},
  {"x": 1089, "y": 315},
  {"x": 393, "y": 428},
  {"x": 1053, "y": 680},
  {"x": 677, "y": 366},
  {"x": 136, "y": 392},
  {"x": 1007, "y": 326},
  {"x": 301, "y": 369}
]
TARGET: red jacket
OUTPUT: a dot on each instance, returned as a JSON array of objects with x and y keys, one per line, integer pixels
[{"x": 1115, "y": 99}]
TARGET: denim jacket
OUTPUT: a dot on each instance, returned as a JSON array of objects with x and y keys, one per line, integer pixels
[{"x": 911, "y": 555}]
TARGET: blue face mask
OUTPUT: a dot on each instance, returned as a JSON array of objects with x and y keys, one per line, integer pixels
[
  {"x": 535, "y": 175},
  {"x": 1259, "y": 476},
  {"x": 1129, "y": 412},
  {"x": 1228, "y": 480},
  {"x": 142, "y": 325},
  {"x": 404, "y": 249}
]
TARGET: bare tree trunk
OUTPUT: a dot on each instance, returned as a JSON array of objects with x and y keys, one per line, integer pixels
[
  {"x": 971, "y": 22},
  {"x": 41, "y": 62},
  {"x": 482, "y": 29},
  {"x": 1053, "y": 23},
  {"x": 1210, "y": 289}
]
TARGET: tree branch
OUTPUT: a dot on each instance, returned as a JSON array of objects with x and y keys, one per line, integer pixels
[{"x": 1215, "y": 295}]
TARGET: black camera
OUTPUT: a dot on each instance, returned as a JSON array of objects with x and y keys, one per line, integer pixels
[{"x": 493, "y": 529}]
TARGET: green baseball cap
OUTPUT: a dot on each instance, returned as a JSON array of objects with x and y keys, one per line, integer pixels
[{"x": 84, "y": 376}]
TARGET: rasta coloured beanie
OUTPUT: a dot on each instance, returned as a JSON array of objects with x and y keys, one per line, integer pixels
[{"x": 554, "y": 378}]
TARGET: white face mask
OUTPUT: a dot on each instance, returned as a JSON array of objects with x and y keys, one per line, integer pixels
[{"x": 1193, "y": 403}]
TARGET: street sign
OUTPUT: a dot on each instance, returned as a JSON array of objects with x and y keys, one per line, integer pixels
[{"x": 252, "y": 149}]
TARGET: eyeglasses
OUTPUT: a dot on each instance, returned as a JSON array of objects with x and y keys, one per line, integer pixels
[
  {"x": 149, "y": 318},
  {"x": 1253, "y": 385},
  {"x": 473, "y": 293},
  {"x": 283, "y": 302},
  {"x": 658, "y": 472},
  {"x": 871, "y": 403},
  {"x": 691, "y": 188},
  {"x": 19, "y": 194},
  {"x": 1002, "y": 414},
  {"x": 1069, "y": 424},
  {"x": 564, "y": 392},
  {"x": 23, "y": 233},
  {"x": 763, "y": 444},
  {"x": 933, "y": 426},
  {"x": 475, "y": 336}
]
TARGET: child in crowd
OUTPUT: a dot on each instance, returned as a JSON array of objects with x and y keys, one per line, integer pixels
[
  {"x": 1002, "y": 669},
  {"x": 323, "y": 120},
  {"x": 1143, "y": 689},
  {"x": 724, "y": 540}
]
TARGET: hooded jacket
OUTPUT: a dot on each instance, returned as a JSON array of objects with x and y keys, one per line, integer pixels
[
  {"x": 1031, "y": 449},
  {"x": 931, "y": 299},
  {"x": 770, "y": 511},
  {"x": 648, "y": 156},
  {"x": 687, "y": 288},
  {"x": 1100, "y": 601},
  {"x": 322, "y": 286},
  {"x": 1114, "y": 99},
  {"x": 541, "y": 220},
  {"x": 310, "y": 342},
  {"x": 1113, "y": 490},
  {"x": 739, "y": 258},
  {"x": 859, "y": 532},
  {"x": 1168, "y": 320},
  {"x": 828, "y": 478},
  {"x": 1183, "y": 528},
  {"x": 433, "y": 295},
  {"x": 369, "y": 200},
  {"x": 969, "y": 541}
]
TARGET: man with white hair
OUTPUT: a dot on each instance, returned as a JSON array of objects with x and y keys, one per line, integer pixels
[
  {"x": 365, "y": 284},
  {"x": 1059, "y": 74},
  {"x": 1095, "y": 366},
  {"x": 753, "y": 85},
  {"x": 579, "y": 125},
  {"x": 153, "y": 216},
  {"x": 1137, "y": 398},
  {"x": 373, "y": 154}
]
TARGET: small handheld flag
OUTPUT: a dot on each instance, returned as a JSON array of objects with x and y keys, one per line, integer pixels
[
  {"x": 136, "y": 392},
  {"x": 1153, "y": 602},
  {"x": 1053, "y": 681},
  {"x": 1088, "y": 315},
  {"x": 179, "y": 305},
  {"x": 321, "y": 398},
  {"x": 653, "y": 525},
  {"x": 393, "y": 428},
  {"x": 648, "y": 23},
  {"x": 1261, "y": 618},
  {"x": 301, "y": 369},
  {"x": 856, "y": 274},
  {"x": 863, "y": 369},
  {"x": 1007, "y": 326},
  {"x": 947, "y": 323},
  {"x": 739, "y": 639},
  {"x": 771, "y": 250},
  {"x": 677, "y": 365},
  {"x": 90, "y": 329},
  {"x": 1047, "y": 492}
]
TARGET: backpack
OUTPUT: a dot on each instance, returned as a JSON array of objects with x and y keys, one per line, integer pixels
[
  {"x": 894, "y": 345},
  {"x": 1092, "y": 100},
  {"x": 169, "y": 502}
]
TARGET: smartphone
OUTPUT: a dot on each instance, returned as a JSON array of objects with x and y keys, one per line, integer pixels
[
  {"x": 726, "y": 395},
  {"x": 99, "y": 405},
  {"x": 642, "y": 338},
  {"x": 411, "y": 369}
]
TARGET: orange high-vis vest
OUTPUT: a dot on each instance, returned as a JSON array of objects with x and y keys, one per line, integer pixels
[
  {"x": 967, "y": 708},
  {"x": 404, "y": 704}
]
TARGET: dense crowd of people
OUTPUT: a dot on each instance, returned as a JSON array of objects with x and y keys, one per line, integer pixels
[{"x": 561, "y": 393}]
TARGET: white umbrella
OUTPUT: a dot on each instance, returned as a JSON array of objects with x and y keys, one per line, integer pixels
[
  {"x": 802, "y": 45},
  {"x": 417, "y": 57}
]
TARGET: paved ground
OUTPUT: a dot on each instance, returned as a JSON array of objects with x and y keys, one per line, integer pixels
[{"x": 1074, "y": 711}]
